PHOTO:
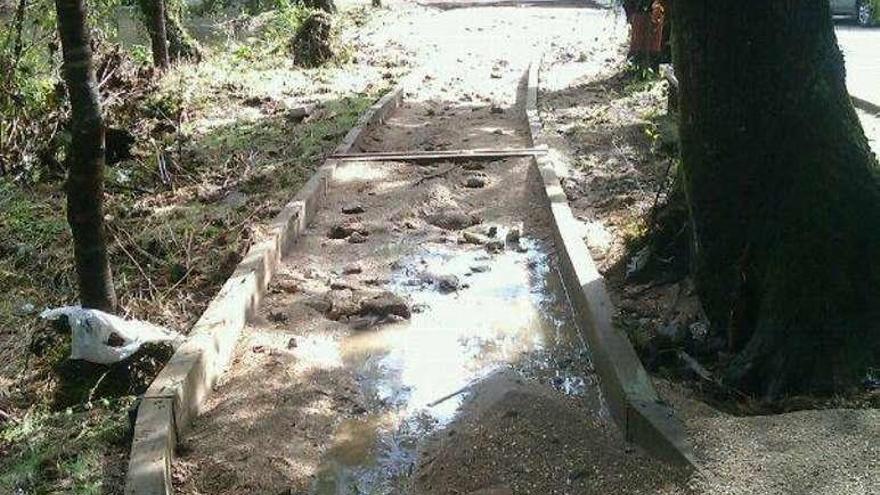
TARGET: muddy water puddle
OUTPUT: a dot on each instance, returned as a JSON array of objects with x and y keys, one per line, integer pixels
[{"x": 474, "y": 314}]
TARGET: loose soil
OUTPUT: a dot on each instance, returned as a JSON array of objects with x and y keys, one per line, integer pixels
[{"x": 417, "y": 339}]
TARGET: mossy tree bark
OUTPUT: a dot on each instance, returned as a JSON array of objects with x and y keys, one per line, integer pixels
[
  {"x": 85, "y": 181},
  {"x": 154, "y": 15},
  {"x": 167, "y": 32},
  {"x": 784, "y": 194}
]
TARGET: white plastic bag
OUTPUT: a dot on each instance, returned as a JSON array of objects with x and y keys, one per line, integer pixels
[{"x": 91, "y": 330}]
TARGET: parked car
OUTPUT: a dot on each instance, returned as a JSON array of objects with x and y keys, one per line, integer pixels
[{"x": 862, "y": 10}]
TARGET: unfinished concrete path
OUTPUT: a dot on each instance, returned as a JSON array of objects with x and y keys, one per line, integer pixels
[{"x": 417, "y": 338}]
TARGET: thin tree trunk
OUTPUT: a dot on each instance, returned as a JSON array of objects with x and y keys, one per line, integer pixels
[
  {"x": 19, "y": 29},
  {"x": 85, "y": 181},
  {"x": 154, "y": 17},
  {"x": 783, "y": 191}
]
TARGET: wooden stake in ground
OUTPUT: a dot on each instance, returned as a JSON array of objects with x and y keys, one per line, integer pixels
[{"x": 85, "y": 158}]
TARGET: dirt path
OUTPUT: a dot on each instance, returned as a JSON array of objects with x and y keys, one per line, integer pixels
[{"x": 417, "y": 339}]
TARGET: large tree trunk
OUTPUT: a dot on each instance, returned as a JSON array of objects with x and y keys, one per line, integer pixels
[
  {"x": 783, "y": 191},
  {"x": 154, "y": 17},
  {"x": 85, "y": 181}
]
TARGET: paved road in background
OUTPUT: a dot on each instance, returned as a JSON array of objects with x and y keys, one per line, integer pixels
[{"x": 861, "y": 47}]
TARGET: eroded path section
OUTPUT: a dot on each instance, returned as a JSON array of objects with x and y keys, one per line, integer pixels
[{"x": 417, "y": 338}]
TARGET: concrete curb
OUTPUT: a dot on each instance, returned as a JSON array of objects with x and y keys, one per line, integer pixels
[
  {"x": 635, "y": 406},
  {"x": 181, "y": 388}
]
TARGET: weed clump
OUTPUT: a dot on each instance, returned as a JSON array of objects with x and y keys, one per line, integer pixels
[{"x": 312, "y": 46}]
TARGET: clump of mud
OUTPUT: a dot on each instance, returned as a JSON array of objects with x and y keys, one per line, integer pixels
[{"x": 312, "y": 46}]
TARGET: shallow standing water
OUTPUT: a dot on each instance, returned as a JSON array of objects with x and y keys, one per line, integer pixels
[{"x": 510, "y": 313}]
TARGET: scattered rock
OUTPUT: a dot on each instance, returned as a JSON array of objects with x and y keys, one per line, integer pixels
[
  {"x": 340, "y": 285},
  {"x": 453, "y": 220},
  {"x": 352, "y": 269},
  {"x": 480, "y": 268},
  {"x": 474, "y": 238},
  {"x": 443, "y": 283},
  {"x": 498, "y": 132},
  {"x": 357, "y": 238},
  {"x": 495, "y": 246},
  {"x": 384, "y": 305},
  {"x": 291, "y": 344},
  {"x": 475, "y": 182},
  {"x": 354, "y": 209},
  {"x": 512, "y": 236},
  {"x": 345, "y": 229},
  {"x": 496, "y": 109},
  {"x": 493, "y": 231},
  {"x": 345, "y": 303},
  {"x": 277, "y": 317}
]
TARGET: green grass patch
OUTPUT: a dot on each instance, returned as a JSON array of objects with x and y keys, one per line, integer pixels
[{"x": 67, "y": 452}]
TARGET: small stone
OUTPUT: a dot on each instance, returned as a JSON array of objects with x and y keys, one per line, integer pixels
[
  {"x": 340, "y": 285},
  {"x": 499, "y": 132},
  {"x": 495, "y": 246},
  {"x": 357, "y": 238},
  {"x": 352, "y": 269},
  {"x": 447, "y": 283},
  {"x": 384, "y": 305},
  {"x": 453, "y": 220},
  {"x": 277, "y": 317},
  {"x": 345, "y": 229},
  {"x": 512, "y": 236},
  {"x": 344, "y": 303},
  {"x": 473, "y": 166},
  {"x": 259, "y": 349},
  {"x": 353, "y": 209},
  {"x": 480, "y": 268},
  {"x": 474, "y": 238},
  {"x": 475, "y": 182},
  {"x": 291, "y": 344},
  {"x": 285, "y": 286},
  {"x": 493, "y": 231},
  {"x": 496, "y": 109}
]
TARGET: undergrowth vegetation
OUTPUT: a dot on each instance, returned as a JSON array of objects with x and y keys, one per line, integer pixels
[{"x": 198, "y": 159}]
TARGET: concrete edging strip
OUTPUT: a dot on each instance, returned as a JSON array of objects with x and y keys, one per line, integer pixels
[
  {"x": 634, "y": 404},
  {"x": 177, "y": 394}
]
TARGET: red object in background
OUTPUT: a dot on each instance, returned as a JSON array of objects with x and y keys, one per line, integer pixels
[{"x": 647, "y": 30}]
